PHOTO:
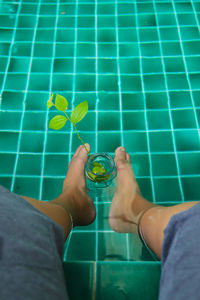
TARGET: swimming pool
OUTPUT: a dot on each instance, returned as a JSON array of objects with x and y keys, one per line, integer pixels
[{"x": 137, "y": 63}]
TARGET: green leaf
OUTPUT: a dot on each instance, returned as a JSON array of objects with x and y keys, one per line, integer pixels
[
  {"x": 79, "y": 112},
  {"x": 61, "y": 103},
  {"x": 98, "y": 168},
  {"x": 49, "y": 102},
  {"x": 97, "y": 171},
  {"x": 57, "y": 122}
]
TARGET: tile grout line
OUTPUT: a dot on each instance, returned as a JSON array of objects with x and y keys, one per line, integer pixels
[
  {"x": 96, "y": 149},
  {"x": 169, "y": 106},
  {"x": 73, "y": 100},
  {"x": 120, "y": 102},
  {"x": 24, "y": 101},
  {"x": 145, "y": 108},
  {"x": 9, "y": 53},
  {"x": 47, "y": 112},
  {"x": 185, "y": 66}
]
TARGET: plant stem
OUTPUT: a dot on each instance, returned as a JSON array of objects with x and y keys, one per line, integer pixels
[
  {"x": 83, "y": 143},
  {"x": 78, "y": 135}
]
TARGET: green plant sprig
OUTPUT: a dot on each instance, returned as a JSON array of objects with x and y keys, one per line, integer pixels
[{"x": 77, "y": 115}]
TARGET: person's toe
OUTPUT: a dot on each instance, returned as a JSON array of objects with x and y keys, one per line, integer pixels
[
  {"x": 124, "y": 169},
  {"x": 75, "y": 173}
]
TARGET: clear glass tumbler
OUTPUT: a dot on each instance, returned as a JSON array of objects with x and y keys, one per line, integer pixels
[{"x": 104, "y": 186}]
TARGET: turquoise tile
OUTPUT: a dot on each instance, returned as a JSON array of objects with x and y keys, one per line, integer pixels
[
  {"x": 183, "y": 118},
  {"x": 187, "y": 140},
  {"x": 103, "y": 214},
  {"x": 6, "y": 182},
  {"x": 130, "y": 66},
  {"x": 7, "y": 163},
  {"x": 145, "y": 188},
  {"x": 179, "y": 99},
  {"x": 112, "y": 246},
  {"x": 132, "y": 101},
  {"x": 108, "y": 101},
  {"x": 167, "y": 189},
  {"x": 127, "y": 21},
  {"x": 146, "y": 20},
  {"x": 148, "y": 34},
  {"x": 108, "y": 142},
  {"x": 79, "y": 274},
  {"x": 8, "y": 141},
  {"x": 36, "y": 100},
  {"x": 108, "y": 65},
  {"x": 177, "y": 82},
  {"x": 3, "y": 64},
  {"x": 51, "y": 188},
  {"x": 41, "y": 65},
  {"x": 27, "y": 186},
  {"x": 81, "y": 247},
  {"x": 19, "y": 65},
  {"x": 161, "y": 141},
  {"x": 145, "y": 8},
  {"x": 57, "y": 142},
  {"x": 112, "y": 280},
  {"x": 56, "y": 165},
  {"x": 16, "y": 81},
  {"x": 196, "y": 98},
  {"x": 174, "y": 65},
  {"x": 128, "y": 49},
  {"x": 137, "y": 250},
  {"x": 152, "y": 65},
  {"x": 39, "y": 82},
  {"x": 191, "y": 188},
  {"x": 34, "y": 121},
  {"x": 10, "y": 120},
  {"x": 135, "y": 141},
  {"x": 189, "y": 163},
  {"x": 140, "y": 164},
  {"x": 125, "y": 8},
  {"x": 133, "y": 121},
  {"x": 46, "y": 22},
  {"x": 12, "y": 100},
  {"x": 154, "y": 82},
  {"x": 108, "y": 83},
  {"x": 32, "y": 142},
  {"x": 88, "y": 137},
  {"x": 156, "y": 100},
  {"x": 108, "y": 121},
  {"x": 169, "y": 34},
  {"x": 105, "y": 21},
  {"x": 158, "y": 120},
  {"x": 29, "y": 164},
  {"x": 164, "y": 165},
  {"x": 84, "y": 65}
]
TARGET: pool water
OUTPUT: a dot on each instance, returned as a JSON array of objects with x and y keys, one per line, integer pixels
[{"x": 137, "y": 63}]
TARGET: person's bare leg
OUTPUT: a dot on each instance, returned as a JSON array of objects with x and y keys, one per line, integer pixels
[
  {"x": 129, "y": 208},
  {"x": 73, "y": 200}
]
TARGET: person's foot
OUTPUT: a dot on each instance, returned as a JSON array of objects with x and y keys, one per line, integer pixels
[
  {"x": 127, "y": 205},
  {"x": 130, "y": 210},
  {"x": 74, "y": 197}
]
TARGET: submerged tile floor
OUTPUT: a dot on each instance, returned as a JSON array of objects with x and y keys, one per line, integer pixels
[{"x": 137, "y": 63}]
